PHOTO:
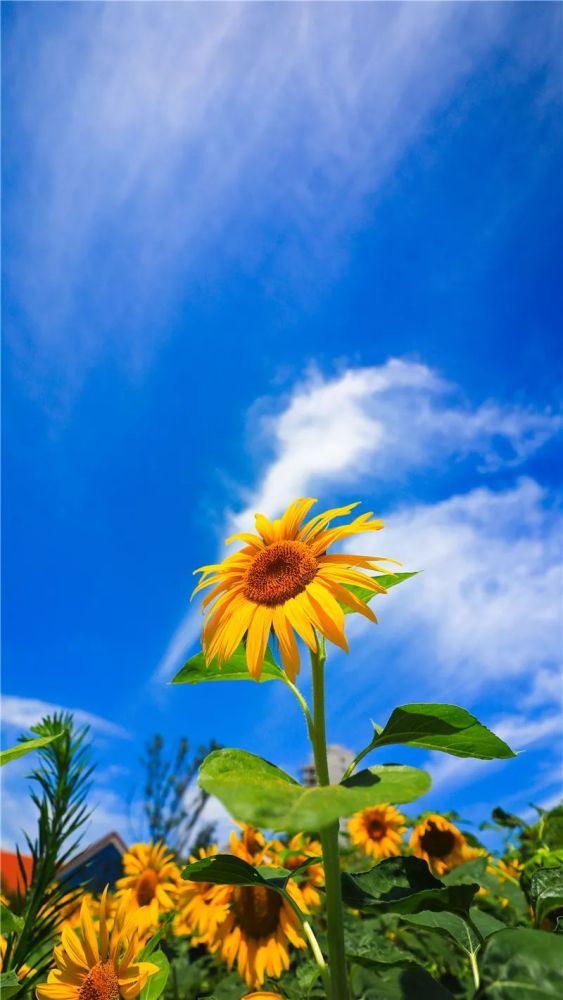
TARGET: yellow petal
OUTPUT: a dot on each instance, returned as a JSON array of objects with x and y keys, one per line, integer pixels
[{"x": 257, "y": 639}]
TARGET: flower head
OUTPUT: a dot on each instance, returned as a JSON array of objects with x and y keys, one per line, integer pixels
[
  {"x": 378, "y": 831},
  {"x": 294, "y": 853},
  {"x": 284, "y": 579},
  {"x": 97, "y": 964},
  {"x": 441, "y": 844},
  {"x": 255, "y": 926},
  {"x": 151, "y": 878}
]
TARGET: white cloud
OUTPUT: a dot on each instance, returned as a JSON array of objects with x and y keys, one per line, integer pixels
[
  {"x": 376, "y": 425},
  {"x": 26, "y": 712},
  {"x": 167, "y": 136}
]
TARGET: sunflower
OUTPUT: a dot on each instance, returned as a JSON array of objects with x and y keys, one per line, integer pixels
[
  {"x": 441, "y": 844},
  {"x": 378, "y": 831},
  {"x": 293, "y": 854},
  {"x": 256, "y": 925},
  {"x": 98, "y": 965},
  {"x": 284, "y": 580},
  {"x": 152, "y": 880}
]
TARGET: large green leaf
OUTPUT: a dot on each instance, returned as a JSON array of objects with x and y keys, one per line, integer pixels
[
  {"x": 522, "y": 964},
  {"x": 386, "y": 580},
  {"x": 26, "y": 746},
  {"x": 376, "y": 950},
  {"x": 155, "y": 984},
  {"x": 403, "y": 885},
  {"x": 226, "y": 869},
  {"x": 546, "y": 893},
  {"x": 455, "y": 927},
  {"x": 9, "y": 985},
  {"x": 257, "y": 792},
  {"x": 235, "y": 669},
  {"x": 441, "y": 727},
  {"x": 9, "y": 922}
]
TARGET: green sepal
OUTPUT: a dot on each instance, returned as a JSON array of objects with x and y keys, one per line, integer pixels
[
  {"x": 258, "y": 792},
  {"x": 403, "y": 885}
]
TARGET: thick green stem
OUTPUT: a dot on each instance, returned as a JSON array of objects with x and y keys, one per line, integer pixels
[{"x": 329, "y": 839}]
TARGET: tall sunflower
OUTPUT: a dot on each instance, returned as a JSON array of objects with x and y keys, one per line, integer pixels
[
  {"x": 256, "y": 925},
  {"x": 151, "y": 881},
  {"x": 378, "y": 831},
  {"x": 285, "y": 580},
  {"x": 441, "y": 844},
  {"x": 97, "y": 964}
]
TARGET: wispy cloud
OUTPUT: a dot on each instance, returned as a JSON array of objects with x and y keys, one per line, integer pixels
[
  {"x": 23, "y": 713},
  {"x": 376, "y": 425},
  {"x": 167, "y": 135}
]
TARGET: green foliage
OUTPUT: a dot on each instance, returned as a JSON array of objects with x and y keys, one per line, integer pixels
[
  {"x": 236, "y": 669},
  {"x": 9, "y": 985},
  {"x": 447, "y": 728},
  {"x": 227, "y": 869},
  {"x": 155, "y": 984},
  {"x": 546, "y": 894},
  {"x": 63, "y": 780},
  {"x": 26, "y": 746},
  {"x": 257, "y": 792},
  {"x": 522, "y": 964},
  {"x": 9, "y": 922},
  {"x": 403, "y": 885},
  {"x": 396, "y": 983}
]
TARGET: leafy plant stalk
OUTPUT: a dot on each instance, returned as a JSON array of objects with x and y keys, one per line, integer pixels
[{"x": 338, "y": 984}]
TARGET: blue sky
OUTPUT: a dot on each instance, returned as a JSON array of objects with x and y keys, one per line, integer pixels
[{"x": 259, "y": 251}]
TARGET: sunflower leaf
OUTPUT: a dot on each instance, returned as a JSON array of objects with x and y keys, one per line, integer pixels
[
  {"x": 523, "y": 963},
  {"x": 227, "y": 869},
  {"x": 235, "y": 669},
  {"x": 546, "y": 892},
  {"x": 155, "y": 984},
  {"x": 258, "y": 792},
  {"x": 447, "y": 728},
  {"x": 26, "y": 746},
  {"x": 403, "y": 885},
  {"x": 386, "y": 580},
  {"x": 454, "y": 927},
  {"x": 9, "y": 984},
  {"x": 9, "y": 922}
]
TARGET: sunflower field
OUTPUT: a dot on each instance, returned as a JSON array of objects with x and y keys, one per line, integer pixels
[{"x": 338, "y": 890}]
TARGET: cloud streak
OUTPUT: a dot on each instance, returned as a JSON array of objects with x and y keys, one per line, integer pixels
[{"x": 26, "y": 712}]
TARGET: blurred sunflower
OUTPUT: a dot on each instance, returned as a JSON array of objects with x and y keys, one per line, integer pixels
[
  {"x": 202, "y": 905},
  {"x": 97, "y": 965},
  {"x": 378, "y": 831},
  {"x": 152, "y": 881},
  {"x": 256, "y": 925},
  {"x": 284, "y": 580},
  {"x": 294, "y": 853},
  {"x": 441, "y": 844}
]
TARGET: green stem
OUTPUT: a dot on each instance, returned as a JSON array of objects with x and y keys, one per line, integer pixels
[
  {"x": 329, "y": 839},
  {"x": 474, "y": 969},
  {"x": 310, "y": 935},
  {"x": 352, "y": 767},
  {"x": 303, "y": 703}
]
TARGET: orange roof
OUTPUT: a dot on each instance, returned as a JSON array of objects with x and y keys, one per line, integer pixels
[{"x": 10, "y": 875}]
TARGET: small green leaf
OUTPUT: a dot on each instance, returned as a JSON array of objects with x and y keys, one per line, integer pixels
[
  {"x": 386, "y": 580},
  {"x": 155, "y": 984},
  {"x": 257, "y": 792},
  {"x": 9, "y": 985},
  {"x": 235, "y": 669},
  {"x": 26, "y": 746},
  {"x": 9, "y": 922},
  {"x": 403, "y": 885},
  {"x": 522, "y": 964},
  {"x": 441, "y": 727},
  {"x": 546, "y": 893},
  {"x": 508, "y": 820}
]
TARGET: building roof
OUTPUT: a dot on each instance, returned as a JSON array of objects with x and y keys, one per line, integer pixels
[{"x": 10, "y": 875}]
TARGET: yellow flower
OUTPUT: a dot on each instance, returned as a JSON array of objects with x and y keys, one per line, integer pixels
[
  {"x": 285, "y": 579},
  {"x": 261, "y": 995},
  {"x": 294, "y": 853},
  {"x": 152, "y": 880},
  {"x": 441, "y": 844},
  {"x": 97, "y": 965},
  {"x": 202, "y": 905},
  {"x": 378, "y": 831},
  {"x": 255, "y": 926}
]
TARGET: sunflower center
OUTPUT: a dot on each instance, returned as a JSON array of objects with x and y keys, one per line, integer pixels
[
  {"x": 375, "y": 829},
  {"x": 280, "y": 572},
  {"x": 100, "y": 983},
  {"x": 437, "y": 843},
  {"x": 257, "y": 910},
  {"x": 146, "y": 887}
]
